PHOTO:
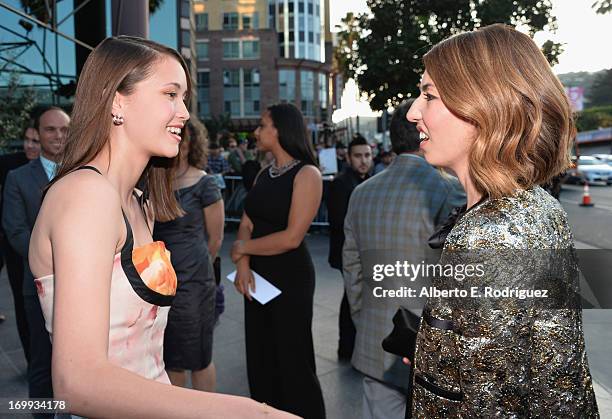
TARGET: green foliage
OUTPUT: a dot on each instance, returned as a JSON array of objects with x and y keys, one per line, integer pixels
[
  {"x": 600, "y": 93},
  {"x": 383, "y": 52},
  {"x": 217, "y": 124},
  {"x": 39, "y": 10},
  {"x": 154, "y": 5},
  {"x": 594, "y": 118},
  {"x": 602, "y": 6},
  {"x": 17, "y": 103}
]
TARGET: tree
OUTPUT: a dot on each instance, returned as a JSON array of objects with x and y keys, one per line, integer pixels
[
  {"x": 383, "y": 51},
  {"x": 17, "y": 104},
  {"x": 217, "y": 124},
  {"x": 38, "y": 8},
  {"x": 600, "y": 93},
  {"x": 602, "y": 6},
  {"x": 594, "y": 118}
]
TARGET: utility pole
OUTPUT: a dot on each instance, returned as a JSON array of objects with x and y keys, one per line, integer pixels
[{"x": 130, "y": 17}]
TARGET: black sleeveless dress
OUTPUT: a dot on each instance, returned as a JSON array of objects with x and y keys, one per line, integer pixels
[{"x": 280, "y": 353}]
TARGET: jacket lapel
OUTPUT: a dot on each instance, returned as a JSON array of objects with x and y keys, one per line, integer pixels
[{"x": 39, "y": 174}]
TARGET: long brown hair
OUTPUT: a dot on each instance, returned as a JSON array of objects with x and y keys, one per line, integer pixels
[
  {"x": 497, "y": 79},
  {"x": 117, "y": 65},
  {"x": 196, "y": 136}
]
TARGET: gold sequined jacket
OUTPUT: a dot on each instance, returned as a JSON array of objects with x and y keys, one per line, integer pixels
[{"x": 506, "y": 357}]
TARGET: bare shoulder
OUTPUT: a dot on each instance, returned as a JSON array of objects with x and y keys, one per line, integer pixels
[
  {"x": 82, "y": 196},
  {"x": 309, "y": 173},
  {"x": 85, "y": 187}
]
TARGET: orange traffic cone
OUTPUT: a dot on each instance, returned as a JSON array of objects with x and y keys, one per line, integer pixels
[{"x": 586, "y": 196}]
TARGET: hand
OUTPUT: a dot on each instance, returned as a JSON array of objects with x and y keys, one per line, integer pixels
[
  {"x": 244, "y": 282},
  {"x": 237, "y": 250},
  {"x": 406, "y": 361}
]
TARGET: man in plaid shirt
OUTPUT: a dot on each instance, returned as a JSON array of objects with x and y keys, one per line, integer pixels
[
  {"x": 390, "y": 219},
  {"x": 217, "y": 164}
]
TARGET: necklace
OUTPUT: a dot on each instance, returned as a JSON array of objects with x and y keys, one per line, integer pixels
[{"x": 276, "y": 171}]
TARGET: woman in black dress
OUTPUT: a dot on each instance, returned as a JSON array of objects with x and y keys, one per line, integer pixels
[
  {"x": 193, "y": 240},
  {"x": 278, "y": 212}
]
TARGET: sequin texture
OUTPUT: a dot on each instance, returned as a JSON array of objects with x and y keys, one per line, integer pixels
[{"x": 513, "y": 359}]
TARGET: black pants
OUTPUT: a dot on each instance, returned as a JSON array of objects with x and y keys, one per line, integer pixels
[
  {"x": 39, "y": 367},
  {"x": 14, "y": 270},
  {"x": 280, "y": 355},
  {"x": 346, "y": 341}
]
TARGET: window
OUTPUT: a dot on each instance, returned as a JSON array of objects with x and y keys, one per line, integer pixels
[
  {"x": 230, "y": 21},
  {"x": 185, "y": 8},
  {"x": 322, "y": 91},
  {"x": 186, "y": 38},
  {"x": 310, "y": 10},
  {"x": 201, "y": 22},
  {"x": 301, "y": 7},
  {"x": 251, "y": 91},
  {"x": 202, "y": 50},
  {"x": 272, "y": 16},
  {"x": 231, "y": 92},
  {"x": 204, "y": 93},
  {"x": 307, "y": 91},
  {"x": 231, "y": 49},
  {"x": 250, "y": 21},
  {"x": 286, "y": 84},
  {"x": 250, "y": 49}
]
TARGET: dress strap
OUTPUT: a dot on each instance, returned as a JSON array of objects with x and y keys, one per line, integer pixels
[{"x": 89, "y": 168}]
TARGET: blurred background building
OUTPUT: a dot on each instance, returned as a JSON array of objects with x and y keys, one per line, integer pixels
[
  {"x": 243, "y": 54},
  {"x": 252, "y": 53}
]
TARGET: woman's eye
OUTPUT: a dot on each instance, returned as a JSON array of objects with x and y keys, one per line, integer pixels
[
  {"x": 428, "y": 97},
  {"x": 171, "y": 94}
]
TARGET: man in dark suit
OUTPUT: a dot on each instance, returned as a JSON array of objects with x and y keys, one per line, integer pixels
[
  {"x": 22, "y": 199},
  {"x": 14, "y": 262},
  {"x": 340, "y": 190}
]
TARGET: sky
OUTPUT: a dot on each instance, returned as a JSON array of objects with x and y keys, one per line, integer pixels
[{"x": 583, "y": 32}]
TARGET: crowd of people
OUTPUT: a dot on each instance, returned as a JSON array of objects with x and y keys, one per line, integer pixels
[{"x": 113, "y": 219}]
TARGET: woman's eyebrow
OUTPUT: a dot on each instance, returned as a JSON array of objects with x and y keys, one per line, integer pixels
[
  {"x": 425, "y": 87},
  {"x": 177, "y": 85}
]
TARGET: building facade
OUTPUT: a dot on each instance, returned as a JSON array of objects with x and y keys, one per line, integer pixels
[{"x": 253, "y": 53}]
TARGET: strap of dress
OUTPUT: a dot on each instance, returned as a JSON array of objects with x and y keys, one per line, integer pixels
[{"x": 90, "y": 168}]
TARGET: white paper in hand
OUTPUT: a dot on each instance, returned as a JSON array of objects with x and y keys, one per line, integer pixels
[{"x": 264, "y": 290}]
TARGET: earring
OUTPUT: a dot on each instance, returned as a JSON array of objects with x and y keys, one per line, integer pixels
[{"x": 117, "y": 120}]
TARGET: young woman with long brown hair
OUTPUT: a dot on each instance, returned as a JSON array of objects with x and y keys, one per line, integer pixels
[{"x": 104, "y": 286}]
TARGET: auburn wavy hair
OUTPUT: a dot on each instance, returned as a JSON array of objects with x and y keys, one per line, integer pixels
[{"x": 498, "y": 80}]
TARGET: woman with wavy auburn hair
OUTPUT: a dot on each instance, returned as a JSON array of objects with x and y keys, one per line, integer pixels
[
  {"x": 105, "y": 287},
  {"x": 492, "y": 111}
]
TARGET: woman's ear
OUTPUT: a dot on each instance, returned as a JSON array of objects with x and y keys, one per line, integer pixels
[{"x": 119, "y": 102}]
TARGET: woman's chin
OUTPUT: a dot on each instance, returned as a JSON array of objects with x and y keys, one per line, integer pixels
[{"x": 168, "y": 152}]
